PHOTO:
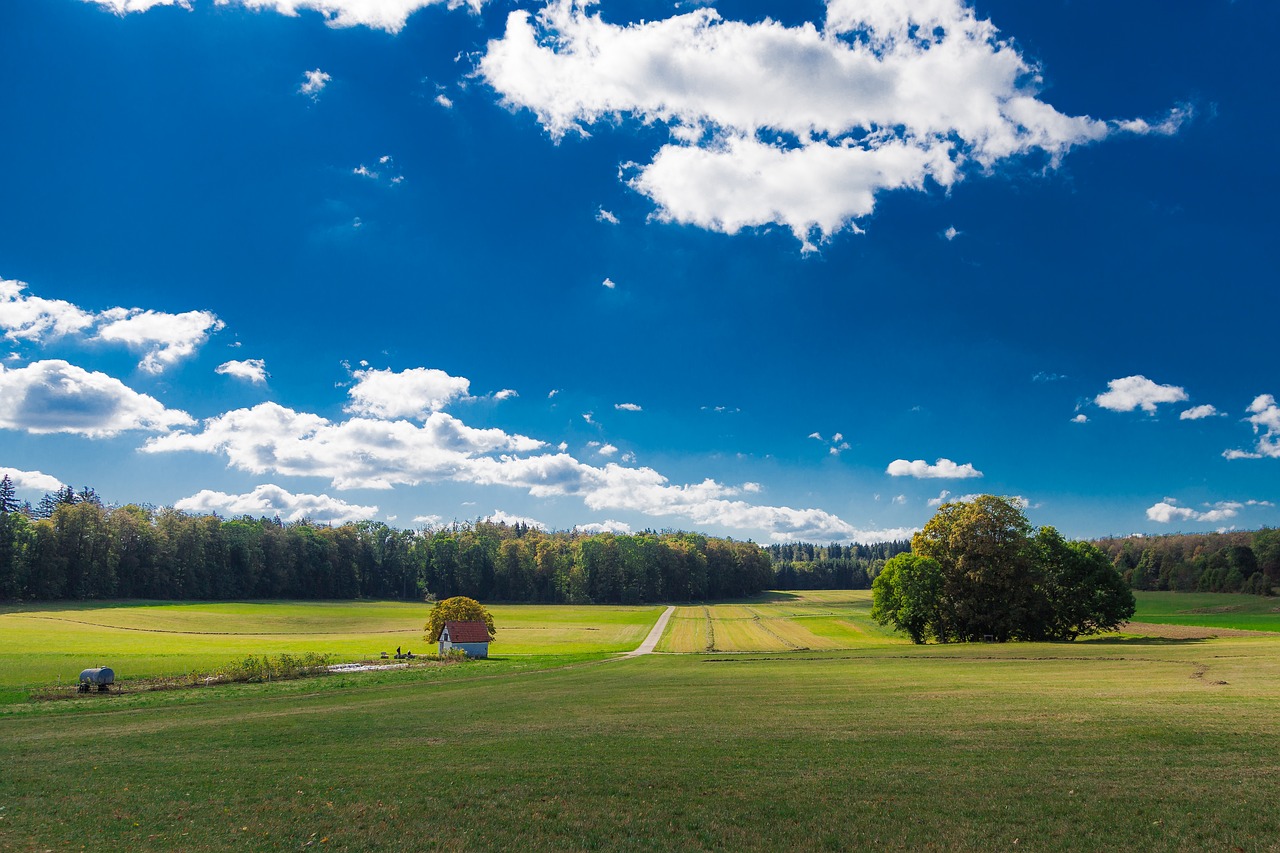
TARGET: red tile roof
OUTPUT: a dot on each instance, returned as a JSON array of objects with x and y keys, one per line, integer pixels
[{"x": 468, "y": 632}]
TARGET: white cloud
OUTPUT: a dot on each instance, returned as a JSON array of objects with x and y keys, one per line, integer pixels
[
  {"x": 357, "y": 453},
  {"x": 552, "y": 393},
  {"x": 413, "y": 393},
  {"x": 389, "y": 15},
  {"x": 1195, "y": 413},
  {"x": 506, "y": 394},
  {"x": 313, "y": 83},
  {"x": 1138, "y": 392},
  {"x": 500, "y": 517},
  {"x": 32, "y": 318},
  {"x": 1167, "y": 511},
  {"x": 943, "y": 469},
  {"x": 270, "y": 500},
  {"x": 56, "y": 397},
  {"x": 444, "y": 101},
  {"x": 1080, "y": 419},
  {"x": 1264, "y": 414},
  {"x": 609, "y": 283},
  {"x": 165, "y": 338},
  {"x": 816, "y": 435},
  {"x": 250, "y": 369},
  {"x": 366, "y": 453},
  {"x": 428, "y": 520},
  {"x": 607, "y": 526},
  {"x": 752, "y": 488},
  {"x": 899, "y": 500},
  {"x": 603, "y": 215},
  {"x": 940, "y": 499},
  {"x": 627, "y": 407},
  {"x": 31, "y": 481},
  {"x": 607, "y": 450},
  {"x": 801, "y": 126},
  {"x": 587, "y": 416},
  {"x": 951, "y": 233}
]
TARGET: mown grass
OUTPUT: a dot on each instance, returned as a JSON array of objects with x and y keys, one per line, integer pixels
[
  {"x": 1210, "y": 609},
  {"x": 51, "y": 643},
  {"x": 1128, "y": 745}
]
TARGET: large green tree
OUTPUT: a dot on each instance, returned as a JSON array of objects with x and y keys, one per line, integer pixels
[{"x": 979, "y": 570}]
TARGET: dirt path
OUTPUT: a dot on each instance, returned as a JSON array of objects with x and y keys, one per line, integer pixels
[{"x": 655, "y": 634}]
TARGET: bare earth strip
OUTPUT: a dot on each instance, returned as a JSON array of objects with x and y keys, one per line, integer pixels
[{"x": 1187, "y": 632}]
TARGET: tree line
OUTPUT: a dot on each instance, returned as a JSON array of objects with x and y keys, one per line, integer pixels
[
  {"x": 804, "y": 565},
  {"x": 73, "y": 546},
  {"x": 1235, "y": 561}
]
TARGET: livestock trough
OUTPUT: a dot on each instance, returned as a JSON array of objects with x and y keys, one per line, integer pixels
[{"x": 100, "y": 677}]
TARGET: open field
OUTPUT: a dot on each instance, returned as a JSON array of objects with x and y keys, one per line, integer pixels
[
  {"x": 1209, "y": 609},
  {"x": 1121, "y": 742},
  {"x": 42, "y": 644},
  {"x": 1118, "y": 745},
  {"x": 778, "y": 621}
]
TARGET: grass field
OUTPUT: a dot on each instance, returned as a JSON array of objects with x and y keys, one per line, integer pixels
[
  {"x": 45, "y": 644},
  {"x": 1119, "y": 743},
  {"x": 1132, "y": 745},
  {"x": 1210, "y": 609}
]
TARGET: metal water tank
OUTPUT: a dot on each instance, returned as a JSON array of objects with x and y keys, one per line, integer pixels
[{"x": 100, "y": 676}]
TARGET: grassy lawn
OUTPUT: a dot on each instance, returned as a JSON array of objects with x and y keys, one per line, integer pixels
[{"x": 1126, "y": 745}]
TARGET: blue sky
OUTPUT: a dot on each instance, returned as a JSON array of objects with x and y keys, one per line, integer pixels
[{"x": 767, "y": 270}]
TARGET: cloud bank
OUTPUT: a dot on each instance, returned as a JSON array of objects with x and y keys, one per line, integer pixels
[{"x": 799, "y": 126}]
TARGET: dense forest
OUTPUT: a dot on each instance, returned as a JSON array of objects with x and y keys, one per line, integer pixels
[
  {"x": 1235, "y": 561},
  {"x": 73, "y": 546},
  {"x": 804, "y": 565}
]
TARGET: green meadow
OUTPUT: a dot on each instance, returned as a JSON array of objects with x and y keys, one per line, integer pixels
[{"x": 1121, "y": 743}]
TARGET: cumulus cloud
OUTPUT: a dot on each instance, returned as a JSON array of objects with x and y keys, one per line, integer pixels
[
  {"x": 32, "y": 318},
  {"x": 313, "y": 83},
  {"x": 1080, "y": 419},
  {"x": 943, "y": 469},
  {"x": 627, "y": 407},
  {"x": 31, "y": 481},
  {"x": 506, "y": 394},
  {"x": 1264, "y": 415},
  {"x": 250, "y": 369},
  {"x": 371, "y": 453},
  {"x": 800, "y": 126},
  {"x": 603, "y": 215},
  {"x": 607, "y": 526},
  {"x": 357, "y": 453},
  {"x": 1168, "y": 510},
  {"x": 165, "y": 338},
  {"x": 1195, "y": 413},
  {"x": 1138, "y": 392},
  {"x": 413, "y": 393},
  {"x": 389, "y": 15},
  {"x": 609, "y": 283},
  {"x": 270, "y": 500},
  {"x": 56, "y": 397}
]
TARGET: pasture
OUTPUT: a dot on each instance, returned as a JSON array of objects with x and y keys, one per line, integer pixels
[
  {"x": 47, "y": 643},
  {"x": 1123, "y": 742}
]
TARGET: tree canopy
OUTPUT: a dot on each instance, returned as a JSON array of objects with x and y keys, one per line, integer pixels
[
  {"x": 979, "y": 570},
  {"x": 457, "y": 609}
]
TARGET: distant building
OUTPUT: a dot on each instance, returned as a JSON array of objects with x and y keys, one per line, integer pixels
[{"x": 470, "y": 637}]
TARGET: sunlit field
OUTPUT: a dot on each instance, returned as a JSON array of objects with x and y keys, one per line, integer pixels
[{"x": 52, "y": 643}]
